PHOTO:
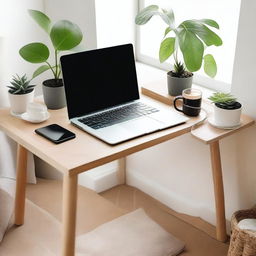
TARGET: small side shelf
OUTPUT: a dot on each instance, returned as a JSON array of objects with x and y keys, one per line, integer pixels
[{"x": 205, "y": 132}]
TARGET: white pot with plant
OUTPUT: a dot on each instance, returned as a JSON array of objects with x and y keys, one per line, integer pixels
[
  {"x": 189, "y": 42},
  {"x": 227, "y": 110},
  {"x": 21, "y": 92},
  {"x": 64, "y": 35}
]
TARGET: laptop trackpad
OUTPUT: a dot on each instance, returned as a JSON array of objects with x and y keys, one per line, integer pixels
[{"x": 141, "y": 125}]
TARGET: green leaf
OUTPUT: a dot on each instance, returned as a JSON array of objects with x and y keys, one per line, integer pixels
[
  {"x": 41, "y": 19},
  {"x": 79, "y": 48},
  {"x": 65, "y": 35},
  {"x": 210, "y": 67},
  {"x": 40, "y": 70},
  {"x": 192, "y": 49},
  {"x": 207, "y": 35},
  {"x": 146, "y": 14},
  {"x": 167, "y": 30},
  {"x": 35, "y": 52},
  {"x": 166, "y": 48},
  {"x": 170, "y": 17},
  {"x": 209, "y": 22}
]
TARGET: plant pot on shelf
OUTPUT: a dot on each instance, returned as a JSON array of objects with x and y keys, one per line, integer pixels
[
  {"x": 19, "y": 102},
  {"x": 177, "y": 84},
  {"x": 227, "y": 115},
  {"x": 54, "y": 94}
]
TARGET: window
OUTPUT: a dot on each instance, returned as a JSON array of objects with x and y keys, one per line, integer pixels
[{"x": 226, "y": 13}]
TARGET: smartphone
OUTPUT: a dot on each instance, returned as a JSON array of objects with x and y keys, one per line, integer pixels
[{"x": 55, "y": 133}]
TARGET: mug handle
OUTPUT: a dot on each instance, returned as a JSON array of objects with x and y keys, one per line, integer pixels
[{"x": 174, "y": 103}]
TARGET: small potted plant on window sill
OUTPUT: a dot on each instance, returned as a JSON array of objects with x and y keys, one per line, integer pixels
[
  {"x": 189, "y": 41},
  {"x": 64, "y": 35},
  {"x": 21, "y": 92},
  {"x": 227, "y": 110}
]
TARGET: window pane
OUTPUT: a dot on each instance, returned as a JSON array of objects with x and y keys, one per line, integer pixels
[{"x": 226, "y": 13}]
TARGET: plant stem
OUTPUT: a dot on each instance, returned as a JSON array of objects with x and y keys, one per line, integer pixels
[
  {"x": 51, "y": 68},
  {"x": 56, "y": 64}
]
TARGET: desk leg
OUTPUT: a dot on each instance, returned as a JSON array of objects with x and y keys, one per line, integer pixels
[
  {"x": 69, "y": 214},
  {"x": 21, "y": 178},
  {"x": 218, "y": 192}
]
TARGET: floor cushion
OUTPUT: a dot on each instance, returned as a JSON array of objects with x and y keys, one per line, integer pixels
[
  {"x": 6, "y": 211},
  {"x": 129, "y": 235}
]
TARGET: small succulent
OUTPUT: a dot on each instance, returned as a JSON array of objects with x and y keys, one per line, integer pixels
[
  {"x": 221, "y": 97},
  {"x": 180, "y": 70},
  {"x": 225, "y": 100},
  {"x": 20, "y": 85}
]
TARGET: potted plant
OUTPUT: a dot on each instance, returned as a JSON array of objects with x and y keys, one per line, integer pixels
[
  {"x": 227, "y": 111},
  {"x": 21, "y": 92},
  {"x": 189, "y": 41},
  {"x": 64, "y": 35}
]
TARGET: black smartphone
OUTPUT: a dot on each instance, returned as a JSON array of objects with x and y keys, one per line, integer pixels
[{"x": 55, "y": 133}]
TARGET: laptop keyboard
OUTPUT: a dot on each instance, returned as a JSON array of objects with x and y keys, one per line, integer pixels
[{"x": 118, "y": 115}]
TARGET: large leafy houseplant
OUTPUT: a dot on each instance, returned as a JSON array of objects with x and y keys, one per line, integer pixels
[
  {"x": 187, "y": 43},
  {"x": 64, "y": 35}
]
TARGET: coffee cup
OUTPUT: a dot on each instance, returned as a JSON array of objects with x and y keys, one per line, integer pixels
[
  {"x": 191, "y": 102},
  {"x": 37, "y": 111}
]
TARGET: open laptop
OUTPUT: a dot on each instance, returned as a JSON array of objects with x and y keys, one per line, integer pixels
[{"x": 103, "y": 98}]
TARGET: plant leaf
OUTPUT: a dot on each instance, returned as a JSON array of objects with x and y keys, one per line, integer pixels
[
  {"x": 210, "y": 67},
  {"x": 35, "y": 52},
  {"x": 166, "y": 48},
  {"x": 79, "y": 48},
  {"x": 65, "y": 35},
  {"x": 209, "y": 22},
  {"x": 167, "y": 30},
  {"x": 40, "y": 70},
  {"x": 207, "y": 35},
  {"x": 146, "y": 14},
  {"x": 192, "y": 49},
  {"x": 170, "y": 17},
  {"x": 41, "y": 19}
]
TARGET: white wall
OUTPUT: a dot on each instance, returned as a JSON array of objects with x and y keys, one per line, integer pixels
[
  {"x": 18, "y": 29},
  {"x": 178, "y": 172}
]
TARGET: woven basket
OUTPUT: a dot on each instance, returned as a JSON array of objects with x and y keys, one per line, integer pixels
[{"x": 242, "y": 242}]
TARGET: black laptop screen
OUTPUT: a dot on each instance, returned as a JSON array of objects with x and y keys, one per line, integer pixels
[{"x": 99, "y": 79}]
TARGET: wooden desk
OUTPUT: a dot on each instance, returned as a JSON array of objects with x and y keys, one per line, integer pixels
[{"x": 81, "y": 154}]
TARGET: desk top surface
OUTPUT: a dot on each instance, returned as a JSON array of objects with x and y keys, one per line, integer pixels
[{"x": 85, "y": 151}]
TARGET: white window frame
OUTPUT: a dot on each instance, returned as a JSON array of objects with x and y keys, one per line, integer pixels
[{"x": 199, "y": 80}]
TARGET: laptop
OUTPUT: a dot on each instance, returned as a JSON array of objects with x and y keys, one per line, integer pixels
[{"x": 103, "y": 97}]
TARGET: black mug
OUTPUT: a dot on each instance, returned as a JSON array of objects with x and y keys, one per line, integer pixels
[{"x": 192, "y": 99}]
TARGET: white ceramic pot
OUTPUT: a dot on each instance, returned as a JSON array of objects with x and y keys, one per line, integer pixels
[
  {"x": 227, "y": 117},
  {"x": 19, "y": 102}
]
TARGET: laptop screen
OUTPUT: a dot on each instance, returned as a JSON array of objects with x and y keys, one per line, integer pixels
[{"x": 99, "y": 79}]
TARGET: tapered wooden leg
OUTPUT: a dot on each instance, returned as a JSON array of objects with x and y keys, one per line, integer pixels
[
  {"x": 121, "y": 173},
  {"x": 221, "y": 233},
  {"x": 69, "y": 214},
  {"x": 21, "y": 178}
]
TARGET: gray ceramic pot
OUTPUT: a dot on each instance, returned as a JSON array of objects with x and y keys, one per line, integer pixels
[
  {"x": 54, "y": 96},
  {"x": 176, "y": 85}
]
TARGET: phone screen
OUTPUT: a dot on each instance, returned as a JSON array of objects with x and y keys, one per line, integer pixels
[{"x": 55, "y": 133}]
